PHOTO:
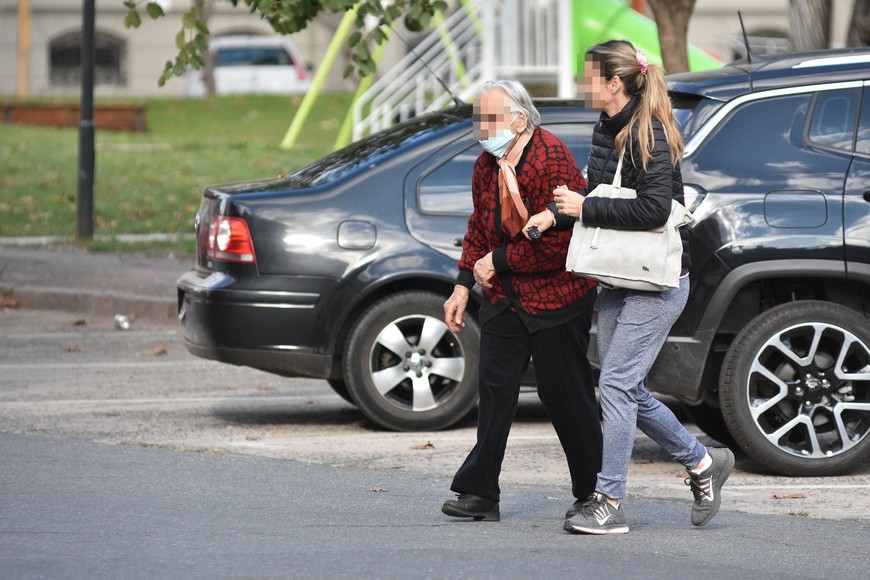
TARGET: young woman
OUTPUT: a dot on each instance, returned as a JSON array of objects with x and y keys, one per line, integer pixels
[{"x": 637, "y": 122}]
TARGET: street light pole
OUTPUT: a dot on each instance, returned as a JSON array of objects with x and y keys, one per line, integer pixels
[{"x": 85, "y": 201}]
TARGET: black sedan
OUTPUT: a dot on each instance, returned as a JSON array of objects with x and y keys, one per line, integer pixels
[{"x": 340, "y": 271}]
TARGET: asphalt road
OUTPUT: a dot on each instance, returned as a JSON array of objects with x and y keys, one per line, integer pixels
[{"x": 124, "y": 457}]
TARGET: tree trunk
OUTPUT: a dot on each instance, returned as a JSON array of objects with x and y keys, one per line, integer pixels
[
  {"x": 672, "y": 18},
  {"x": 208, "y": 60},
  {"x": 859, "y": 28},
  {"x": 809, "y": 24}
]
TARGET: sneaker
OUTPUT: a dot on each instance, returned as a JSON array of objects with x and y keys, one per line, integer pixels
[
  {"x": 707, "y": 485},
  {"x": 597, "y": 517},
  {"x": 468, "y": 505},
  {"x": 575, "y": 509}
]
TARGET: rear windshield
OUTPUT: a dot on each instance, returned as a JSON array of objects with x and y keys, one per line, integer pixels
[
  {"x": 252, "y": 56},
  {"x": 374, "y": 150}
]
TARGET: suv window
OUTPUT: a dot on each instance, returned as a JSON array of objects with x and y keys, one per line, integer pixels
[
  {"x": 447, "y": 189},
  {"x": 833, "y": 119},
  {"x": 768, "y": 125}
]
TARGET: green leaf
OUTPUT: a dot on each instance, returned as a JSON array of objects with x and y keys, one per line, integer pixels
[
  {"x": 154, "y": 10},
  {"x": 188, "y": 20},
  {"x": 355, "y": 38},
  {"x": 348, "y": 70},
  {"x": 393, "y": 12},
  {"x": 180, "y": 40},
  {"x": 201, "y": 27},
  {"x": 200, "y": 41},
  {"x": 413, "y": 24},
  {"x": 132, "y": 20},
  {"x": 367, "y": 67}
]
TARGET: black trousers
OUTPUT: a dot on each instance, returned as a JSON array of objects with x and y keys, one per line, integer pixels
[{"x": 565, "y": 387}]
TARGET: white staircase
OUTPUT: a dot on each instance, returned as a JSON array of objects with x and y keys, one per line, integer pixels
[{"x": 481, "y": 40}]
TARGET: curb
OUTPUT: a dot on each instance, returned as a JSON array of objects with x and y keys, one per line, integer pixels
[{"x": 94, "y": 303}]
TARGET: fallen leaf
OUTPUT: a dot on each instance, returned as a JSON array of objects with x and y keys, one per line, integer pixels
[
  {"x": 159, "y": 351},
  {"x": 796, "y": 495},
  {"x": 75, "y": 348},
  {"x": 8, "y": 303},
  {"x": 378, "y": 489},
  {"x": 427, "y": 445},
  {"x": 80, "y": 322}
]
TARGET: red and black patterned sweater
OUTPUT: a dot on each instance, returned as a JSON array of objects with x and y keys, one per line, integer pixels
[{"x": 531, "y": 274}]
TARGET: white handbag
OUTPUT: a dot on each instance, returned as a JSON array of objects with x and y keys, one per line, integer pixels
[{"x": 638, "y": 259}]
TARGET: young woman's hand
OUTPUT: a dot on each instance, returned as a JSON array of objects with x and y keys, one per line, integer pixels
[{"x": 568, "y": 202}]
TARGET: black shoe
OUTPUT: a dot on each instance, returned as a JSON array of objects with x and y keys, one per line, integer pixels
[{"x": 472, "y": 506}]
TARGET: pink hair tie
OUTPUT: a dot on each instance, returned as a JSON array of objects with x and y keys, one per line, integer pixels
[{"x": 641, "y": 58}]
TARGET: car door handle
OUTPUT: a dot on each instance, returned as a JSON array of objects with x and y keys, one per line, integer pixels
[
  {"x": 458, "y": 241},
  {"x": 867, "y": 196}
]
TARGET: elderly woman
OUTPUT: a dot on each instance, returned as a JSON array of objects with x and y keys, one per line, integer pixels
[{"x": 533, "y": 308}]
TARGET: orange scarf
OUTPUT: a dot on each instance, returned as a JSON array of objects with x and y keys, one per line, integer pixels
[{"x": 514, "y": 214}]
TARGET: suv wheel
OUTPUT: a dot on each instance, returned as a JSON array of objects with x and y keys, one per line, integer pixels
[
  {"x": 795, "y": 389},
  {"x": 406, "y": 370},
  {"x": 708, "y": 418}
]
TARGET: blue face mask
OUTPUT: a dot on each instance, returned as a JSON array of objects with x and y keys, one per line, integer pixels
[{"x": 498, "y": 145}]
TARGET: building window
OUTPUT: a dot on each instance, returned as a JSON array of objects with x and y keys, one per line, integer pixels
[{"x": 65, "y": 59}]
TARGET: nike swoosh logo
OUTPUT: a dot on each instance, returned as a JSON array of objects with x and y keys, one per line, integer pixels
[{"x": 602, "y": 521}]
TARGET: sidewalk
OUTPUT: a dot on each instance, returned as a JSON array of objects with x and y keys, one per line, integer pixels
[{"x": 92, "y": 283}]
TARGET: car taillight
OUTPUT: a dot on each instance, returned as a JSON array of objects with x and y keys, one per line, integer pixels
[{"x": 229, "y": 240}]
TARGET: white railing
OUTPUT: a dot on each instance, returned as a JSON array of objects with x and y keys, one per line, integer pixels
[{"x": 481, "y": 40}]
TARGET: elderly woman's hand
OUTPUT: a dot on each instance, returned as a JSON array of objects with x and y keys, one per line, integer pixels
[
  {"x": 568, "y": 202},
  {"x": 543, "y": 221},
  {"x": 484, "y": 270}
]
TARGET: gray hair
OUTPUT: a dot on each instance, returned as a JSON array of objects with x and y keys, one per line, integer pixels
[{"x": 519, "y": 97}]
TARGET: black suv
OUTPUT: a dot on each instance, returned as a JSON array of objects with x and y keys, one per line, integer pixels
[
  {"x": 775, "y": 337},
  {"x": 340, "y": 270}
]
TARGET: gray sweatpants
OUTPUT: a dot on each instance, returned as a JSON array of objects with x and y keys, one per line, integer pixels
[{"x": 632, "y": 327}]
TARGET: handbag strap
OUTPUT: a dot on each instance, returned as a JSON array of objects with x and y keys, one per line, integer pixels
[{"x": 617, "y": 179}]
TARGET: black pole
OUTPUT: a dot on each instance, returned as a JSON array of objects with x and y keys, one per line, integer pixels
[{"x": 85, "y": 204}]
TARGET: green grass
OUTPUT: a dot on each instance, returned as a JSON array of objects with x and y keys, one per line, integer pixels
[{"x": 152, "y": 182}]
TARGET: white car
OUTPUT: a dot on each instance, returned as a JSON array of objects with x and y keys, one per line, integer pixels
[{"x": 252, "y": 64}]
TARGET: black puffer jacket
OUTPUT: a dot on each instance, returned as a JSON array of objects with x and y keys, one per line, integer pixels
[{"x": 655, "y": 186}]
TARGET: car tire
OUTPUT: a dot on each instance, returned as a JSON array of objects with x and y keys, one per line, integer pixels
[
  {"x": 340, "y": 388},
  {"x": 709, "y": 419},
  {"x": 405, "y": 370},
  {"x": 795, "y": 389}
]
